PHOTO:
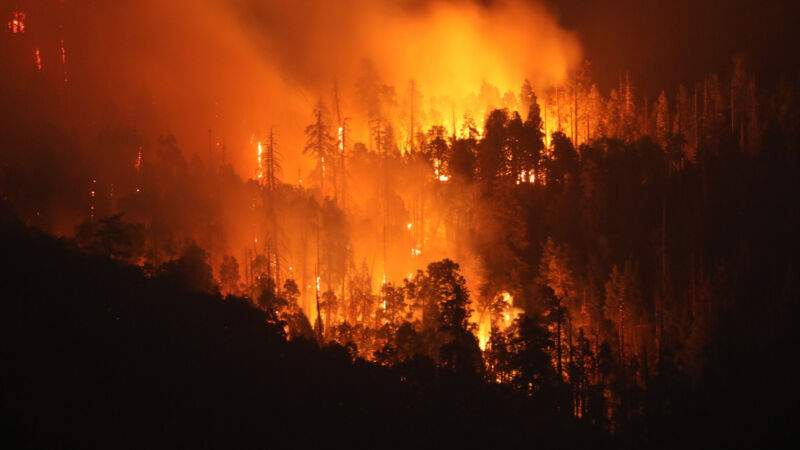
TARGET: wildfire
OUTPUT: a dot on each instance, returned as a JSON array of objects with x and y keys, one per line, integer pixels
[
  {"x": 526, "y": 177},
  {"x": 38, "y": 60},
  {"x": 17, "y": 23},
  {"x": 64, "y": 60},
  {"x": 437, "y": 173},
  {"x": 260, "y": 170},
  {"x": 92, "y": 194},
  {"x": 508, "y": 313},
  {"x": 138, "y": 164},
  {"x": 383, "y": 298},
  {"x": 507, "y": 300}
]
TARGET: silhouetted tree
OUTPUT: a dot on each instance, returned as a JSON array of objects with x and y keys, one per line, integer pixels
[
  {"x": 229, "y": 274},
  {"x": 191, "y": 271}
]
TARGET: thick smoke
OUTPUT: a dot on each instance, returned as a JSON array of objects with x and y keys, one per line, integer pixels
[
  {"x": 239, "y": 67},
  {"x": 220, "y": 74}
]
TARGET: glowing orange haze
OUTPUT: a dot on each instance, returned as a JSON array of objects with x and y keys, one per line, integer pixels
[{"x": 242, "y": 66}]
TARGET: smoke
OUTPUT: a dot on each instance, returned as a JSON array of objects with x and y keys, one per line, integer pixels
[
  {"x": 448, "y": 46},
  {"x": 220, "y": 74},
  {"x": 241, "y": 67}
]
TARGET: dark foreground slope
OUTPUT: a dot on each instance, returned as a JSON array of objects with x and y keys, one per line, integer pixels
[{"x": 97, "y": 353}]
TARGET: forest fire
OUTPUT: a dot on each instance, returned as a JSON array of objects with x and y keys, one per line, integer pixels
[
  {"x": 260, "y": 158},
  {"x": 451, "y": 198},
  {"x": 17, "y": 23},
  {"x": 64, "y": 60}
]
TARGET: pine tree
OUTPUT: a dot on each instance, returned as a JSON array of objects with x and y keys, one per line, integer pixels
[{"x": 320, "y": 144}]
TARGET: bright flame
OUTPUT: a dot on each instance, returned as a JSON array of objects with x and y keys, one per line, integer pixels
[
  {"x": 260, "y": 170},
  {"x": 526, "y": 177},
  {"x": 38, "y": 60},
  {"x": 17, "y": 23},
  {"x": 509, "y": 313},
  {"x": 138, "y": 164}
]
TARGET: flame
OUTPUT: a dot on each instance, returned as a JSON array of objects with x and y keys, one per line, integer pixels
[
  {"x": 260, "y": 170},
  {"x": 64, "y": 60},
  {"x": 383, "y": 298},
  {"x": 447, "y": 74},
  {"x": 138, "y": 164},
  {"x": 17, "y": 23},
  {"x": 507, "y": 317},
  {"x": 38, "y": 60},
  {"x": 92, "y": 193}
]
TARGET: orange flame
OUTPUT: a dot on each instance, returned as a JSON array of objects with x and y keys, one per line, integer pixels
[
  {"x": 64, "y": 60},
  {"x": 17, "y": 23},
  {"x": 260, "y": 170},
  {"x": 138, "y": 164}
]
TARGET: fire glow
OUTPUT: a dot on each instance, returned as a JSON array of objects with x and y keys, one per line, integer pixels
[{"x": 17, "y": 23}]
